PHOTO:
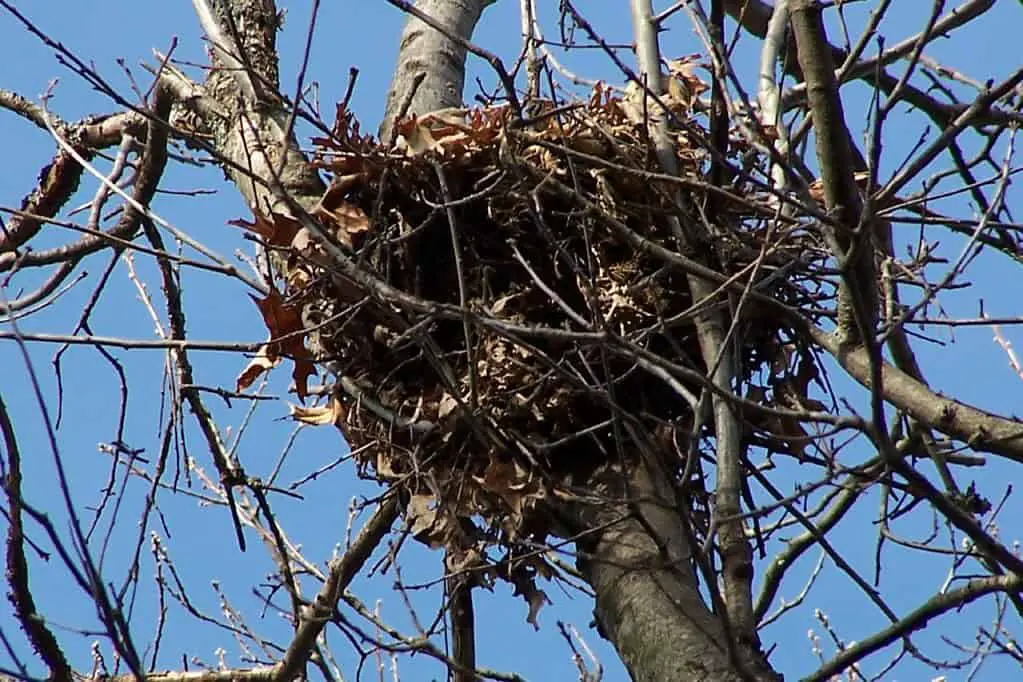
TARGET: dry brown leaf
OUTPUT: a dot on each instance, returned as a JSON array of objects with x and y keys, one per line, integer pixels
[
  {"x": 535, "y": 597},
  {"x": 303, "y": 242},
  {"x": 461, "y": 560},
  {"x": 421, "y": 511},
  {"x": 679, "y": 96},
  {"x": 298, "y": 278},
  {"x": 277, "y": 230},
  {"x": 500, "y": 304},
  {"x": 349, "y": 219},
  {"x": 334, "y": 412},
  {"x": 287, "y": 337},
  {"x": 340, "y": 185},
  {"x": 416, "y": 139},
  {"x": 264, "y": 361},
  {"x": 816, "y": 188},
  {"x": 446, "y": 406},
  {"x": 385, "y": 469},
  {"x": 430, "y": 523},
  {"x": 512, "y": 483},
  {"x": 683, "y": 71}
]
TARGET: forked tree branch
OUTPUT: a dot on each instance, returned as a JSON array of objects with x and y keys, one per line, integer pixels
[
  {"x": 638, "y": 519},
  {"x": 718, "y": 357},
  {"x": 340, "y": 574},
  {"x": 755, "y": 15}
]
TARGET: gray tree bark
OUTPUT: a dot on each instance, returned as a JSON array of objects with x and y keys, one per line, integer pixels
[
  {"x": 638, "y": 560},
  {"x": 434, "y": 57}
]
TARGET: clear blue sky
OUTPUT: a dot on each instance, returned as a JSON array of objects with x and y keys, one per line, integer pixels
[{"x": 364, "y": 34}]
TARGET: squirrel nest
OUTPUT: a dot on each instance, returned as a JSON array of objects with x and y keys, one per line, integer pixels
[{"x": 523, "y": 316}]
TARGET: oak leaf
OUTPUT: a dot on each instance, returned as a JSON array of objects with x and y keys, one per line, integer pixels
[
  {"x": 277, "y": 230},
  {"x": 265, "y": 360},
  {"x": 287, "y": 338}
]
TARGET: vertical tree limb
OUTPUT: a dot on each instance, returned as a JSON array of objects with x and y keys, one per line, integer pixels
[
  {"x": 737, "y": 556},
  {"x": 430, "y": 75},
  {"x": 20, "y": 594},
  {"x": 648, "y": 602},
  {"x": 463, "y": 624},
  {"x": 441, "y": 60},
  {"x": 852, "y": 244},
  {"x": 719, "y": 122},
  {"x": 252, "y": 131}
]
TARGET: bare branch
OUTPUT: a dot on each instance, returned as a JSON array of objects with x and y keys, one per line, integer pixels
[
  {"x": 936, "y": 606},
  {"x": 340, "y": 573},
  {"x": 852, "y": 242},
  {"x": 718, "y": 357},
  {"x": 20, "y": 595}
]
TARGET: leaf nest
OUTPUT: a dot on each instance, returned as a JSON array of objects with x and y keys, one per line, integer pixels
[{"x": 522, "y": 316}]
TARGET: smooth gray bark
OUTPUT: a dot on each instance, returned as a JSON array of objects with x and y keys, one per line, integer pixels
[
  {"x": 440, "y": 60},
  {"x": 648, "y": 601},
  {"x": 718, "y": 354}
]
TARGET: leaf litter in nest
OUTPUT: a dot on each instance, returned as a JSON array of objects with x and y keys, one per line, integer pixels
[
  {"x": 431, "y": 522},
  {"x": 470, "y": 147},
  {"x": 350, "y": 221}
]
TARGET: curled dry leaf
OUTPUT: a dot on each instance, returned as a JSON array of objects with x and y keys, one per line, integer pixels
[
  {"x": 685, "y": 86},
  {"x": 514, "y": 486},
  {"x": 446, "y": 406},
  {"x": 299, "y": 278},
  {"x": 334, "y": 412},
  {"x": 450, "y": 132},
  {"x": 498, "y": 306},
  {"x": 351, "y": 221},
  {"x": 264, "y": 361},
  {"x": 525, "y": 586},
  {"x": 416, "y": 139},
  {"x": 682, "y": 88},
  {"x": 421, "y": 513},
  {"x": 340, "y": 186},
  {"x": 816, "y": 188},
  {"x": 385, "y": 465},
  {"x": 537, "y": 598},
  {"x": 431, "y": 523},
  {"x": 303, "y": 242}
]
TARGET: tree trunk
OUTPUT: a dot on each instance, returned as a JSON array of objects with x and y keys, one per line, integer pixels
[
  {"x": 638, "y": 560},
  {"x": 432, "y": 56}
]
